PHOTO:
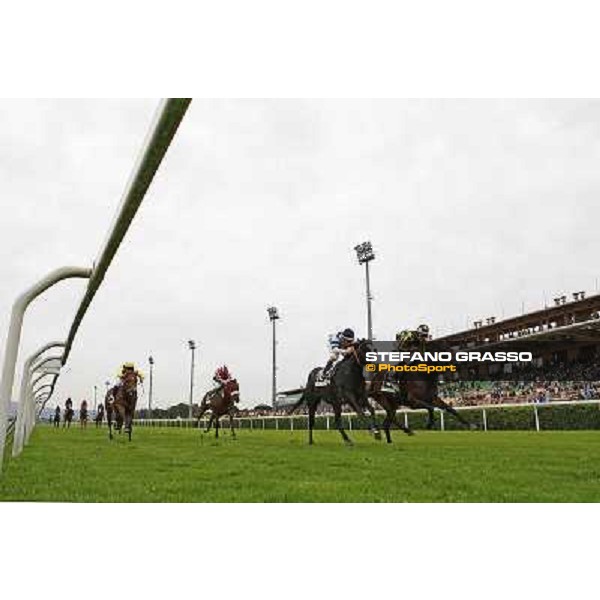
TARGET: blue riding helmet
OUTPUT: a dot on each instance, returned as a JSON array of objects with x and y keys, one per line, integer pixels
[{"x": 348, "y": 334}]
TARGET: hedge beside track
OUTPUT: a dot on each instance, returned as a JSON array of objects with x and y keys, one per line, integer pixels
[{"x": 551, "y": 416}]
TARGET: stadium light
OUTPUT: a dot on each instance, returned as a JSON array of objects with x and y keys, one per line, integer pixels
[
  {"x": 273, "y": 317},
  {"x": 365, "y": 254},
  {"x": 192, "y": 347},
  {"x": 151, "y": 363}
]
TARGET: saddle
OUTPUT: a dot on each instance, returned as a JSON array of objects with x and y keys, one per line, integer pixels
[
  {"x": 322, "y": 380},
  {"x": 390, "y": 386}
]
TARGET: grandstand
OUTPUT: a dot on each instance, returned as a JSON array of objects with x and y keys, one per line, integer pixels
[
  {"x": 287, "y": 398},
  {"x": 577, "y": 321},
  {"x": 566, "y": 339}
]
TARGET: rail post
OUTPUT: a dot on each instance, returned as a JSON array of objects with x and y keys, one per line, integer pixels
[
  {"x": 441, "y": 420},
  {"x": 30, "y": 416},
  {"x": 484, "y": 418},
  {"x": 13, "y": 338},
  {"x": 536, "y": 417}
]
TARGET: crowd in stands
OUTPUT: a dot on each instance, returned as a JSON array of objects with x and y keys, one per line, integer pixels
[{"x": 560, "y": 382}]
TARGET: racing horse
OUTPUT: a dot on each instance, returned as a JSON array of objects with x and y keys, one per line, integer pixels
[
  {"x": 99, "y": 416},
  {"x": 220, "y": 402},
  {"x": 346, "y": 386},
  {"x": 109, "y": 399},
  {"x": 391, "y": 390},
  {"x": 83, "y": 414},
  {"x": 124, "y": 399},
  {"x": 68, "y": 416}
]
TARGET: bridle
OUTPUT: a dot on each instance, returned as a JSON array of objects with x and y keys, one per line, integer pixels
[{"x": 355, "y": 353}]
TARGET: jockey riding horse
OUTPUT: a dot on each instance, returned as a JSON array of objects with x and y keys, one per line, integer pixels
[
  {"x": 83, "y": 413},
  {"x": 391, "y": 390},
  {"x": 99, "y": 415},
  {"x": 122, "y": 399},
  {"x": 346, "y": 385},
  {"x": 221, "y": 400},
  {"x": 69, "y": 412}
]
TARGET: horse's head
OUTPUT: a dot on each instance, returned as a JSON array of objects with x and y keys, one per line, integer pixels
[
  {"x": 361, "y": 348},
  {"x": 232, "y": 390},
  {"x": 129, "y": 379}
]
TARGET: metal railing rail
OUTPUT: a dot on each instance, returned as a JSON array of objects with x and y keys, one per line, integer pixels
[
  {"x": 166, "y": 122},
  {"x": 281, "y": 420},
  {"x": 167, "y": 119},
  {"x": 13, "y": 338}
]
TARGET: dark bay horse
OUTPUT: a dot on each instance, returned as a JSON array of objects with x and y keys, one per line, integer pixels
[
  {"x": 99, "y": 415},
  {"x": 391, "y": 391},
  {"x": 83, "y": 414},
  {"x": 124, "y": 400},
  {"x": 347, "y": 386},
  {"x": 220, "y": 402},
  {"x": 68, "y": 416}
]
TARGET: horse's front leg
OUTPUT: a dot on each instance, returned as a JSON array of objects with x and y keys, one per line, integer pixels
[
  {"x": 210, "y": 422},
  {"x": 129, "y": 424},
  {"x": 231, "y": 425},
  {"x": 200, "y": 415},
  {"x": 373, "y": 419},
  {"x": 109, "y": 421},
  {"x": 312, "y": 409},
  {"x": 359, "y": 405},
  {"x": 217, "y": 427},
  {"x": 430, "y": 418},
  {"x": 387, "y": 422},
  {"x": 337, "y": 419}
]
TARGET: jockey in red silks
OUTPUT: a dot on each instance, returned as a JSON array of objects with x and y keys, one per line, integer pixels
[{"x": 221, "y": 377}]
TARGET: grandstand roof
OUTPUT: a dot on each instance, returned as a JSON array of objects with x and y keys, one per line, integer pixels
[{"x": 565, "y": 322}]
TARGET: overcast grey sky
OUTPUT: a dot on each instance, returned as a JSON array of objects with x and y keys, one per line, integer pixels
[{"x": 473, "y": 207}]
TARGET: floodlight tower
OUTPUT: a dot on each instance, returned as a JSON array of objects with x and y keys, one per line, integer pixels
[
  {"x": 365, "y": 254},
  {"x": 151, "y": 363},
  {"x": 273, "y": 317},
  {"x": 192, "y": 347}
]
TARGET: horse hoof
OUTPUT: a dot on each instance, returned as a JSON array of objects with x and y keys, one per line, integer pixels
[
  {"x": 409, "y": 432},
  {"x": 349, "y": 443}
]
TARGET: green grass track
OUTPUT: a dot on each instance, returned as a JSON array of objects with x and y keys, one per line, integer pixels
[{"x": 183, "y": 465}]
